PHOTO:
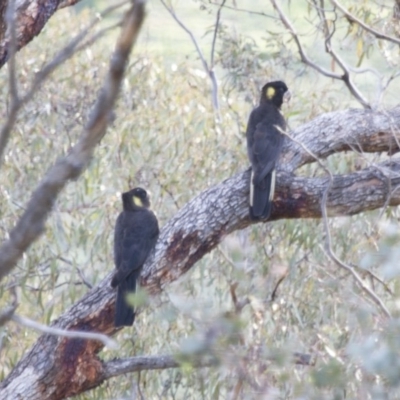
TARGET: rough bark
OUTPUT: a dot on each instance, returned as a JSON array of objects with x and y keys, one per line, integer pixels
[
  {"x": 30, "y": 17},
  {"x": 56, "y": 368}
]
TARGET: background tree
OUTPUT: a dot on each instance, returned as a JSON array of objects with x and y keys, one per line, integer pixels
[{"x": 260, "y": 293}]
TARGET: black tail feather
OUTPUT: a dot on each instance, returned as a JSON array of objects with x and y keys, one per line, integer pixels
[
  {"x": 261, "y": 197},
  {"x": 124, "y": 313}
]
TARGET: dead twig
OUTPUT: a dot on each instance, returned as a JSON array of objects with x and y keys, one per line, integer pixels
[{"x": 110, "y": 343}]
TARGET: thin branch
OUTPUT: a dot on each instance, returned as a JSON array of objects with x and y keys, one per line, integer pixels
[
  {"x": 97, "y": 36},
  {"x": 12, "y": 48},
  {"x": 366, "y": 27},
  {"x": 44, "y": 73},
  {"x": 303, "y": 56},
  {"x": 83, "y": 278},
  {"x": 328, "y": 244},
  {"x": 147, "y": 363},
  {"x": 375, "y": 277},
  {"x": 379, "y": 78},
  {"x": 110, "y": 343},
  {"x": 14, "y": 103},
  {"x": 346, "y": 78},
  {"x": 32, "y": 223},
  {"x": 391, "y": 78},
  {"x": 7, "y": 314},
  {"x": 278, "y": 283},
  {"x": 67, "y": 3},
  {"x": 244, "y": 10},
  {"x": 208, "y": 70},
  {"x": 67, "y": 52},
  {"x": 189, "y": 32},
  {"x": 329, "y": 251},
  {"x": 215, "y": 33},
  {"x": 306, "y": 60}
]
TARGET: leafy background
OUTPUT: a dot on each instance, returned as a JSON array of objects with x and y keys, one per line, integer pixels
[{"x": 166, "y": 137}]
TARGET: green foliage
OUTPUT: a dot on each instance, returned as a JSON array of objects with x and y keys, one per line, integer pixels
[{"x": 166, "y": 138}]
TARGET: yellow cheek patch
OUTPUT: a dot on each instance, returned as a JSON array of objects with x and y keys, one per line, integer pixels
[
  {"x": 270, "y": 93},
  {"x": 137, "y": 201}
]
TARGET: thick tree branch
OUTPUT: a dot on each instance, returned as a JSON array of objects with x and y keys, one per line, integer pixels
[
  {"x": 30, "y": 16},
  {"x": 201, "y": 225},
  {"x": 364, "y": 131},
  {"x": 222, "y": 209}
]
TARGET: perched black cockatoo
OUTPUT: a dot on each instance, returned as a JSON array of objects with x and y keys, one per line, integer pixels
[
  {"x": 136, "y": 233},
  {"x": 264, "y": 145}
]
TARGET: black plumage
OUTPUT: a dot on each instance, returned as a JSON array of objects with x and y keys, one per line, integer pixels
[
  {"x": 264, "y": 145},
  {"x": 136, "y": 233}
]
